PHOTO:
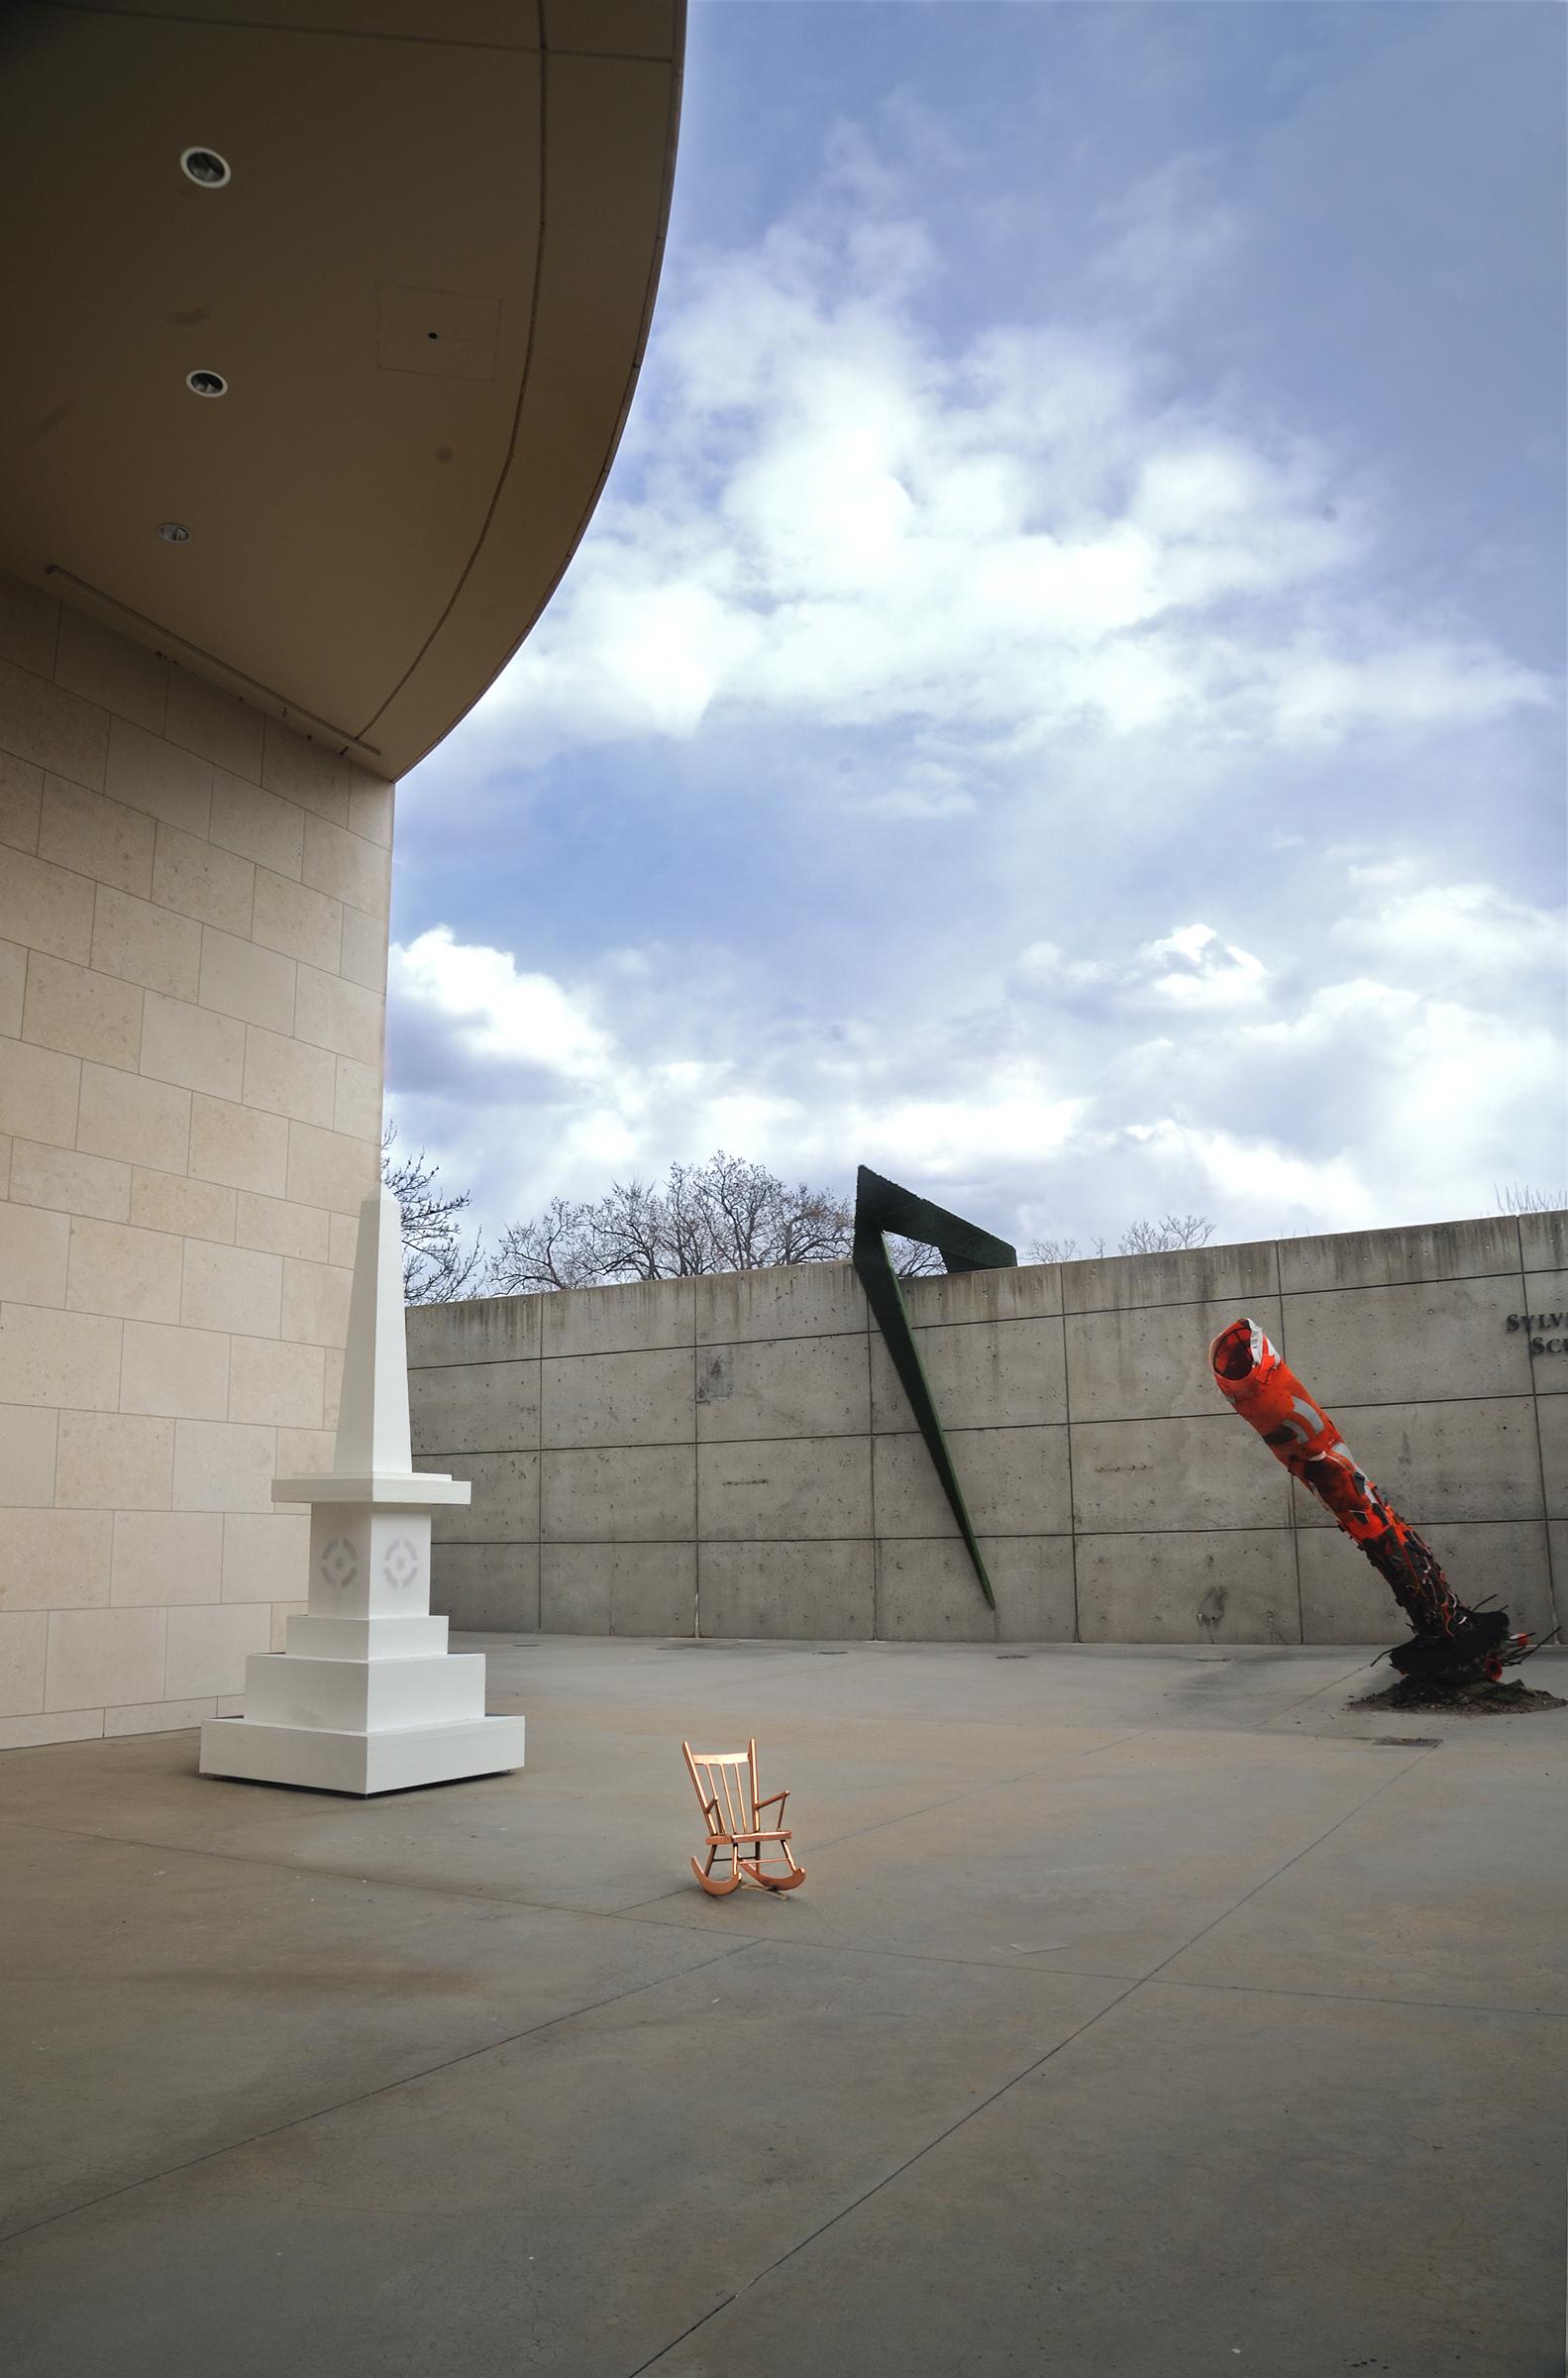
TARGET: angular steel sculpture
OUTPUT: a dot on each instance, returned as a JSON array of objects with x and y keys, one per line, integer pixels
[
  {"x": 1451, "y": 1644},
  {"x": 880, "y": 1205}
]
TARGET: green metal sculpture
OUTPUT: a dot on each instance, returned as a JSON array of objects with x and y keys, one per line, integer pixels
[{"x": 881, "y": 1205}]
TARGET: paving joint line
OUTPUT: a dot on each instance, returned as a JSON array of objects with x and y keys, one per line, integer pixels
[
  {"x": 1363, "y": 1997},
  {"x": 974, "y": 1965},
  {"x": 383, "y": 2089},
  {"x": 286, "y": 1866},
  {"x": 662, "y": 2351},
  {"x": 489, "y": 1898},
  {"x": 1285, "y": 1863},
  {"x": 493, "y": 1900},
  {"x": 897, "y": 2173},
  {"x": 1027, "y": 2074},
  {"x": 1153, "y": 1977},
  {"x": 1333, "y": 1685},
  {"x": 935, "y": 1807},
  {"x": 626, "y": 1913}
]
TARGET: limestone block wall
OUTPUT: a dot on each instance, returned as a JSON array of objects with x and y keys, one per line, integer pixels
[
  {"x": 734, "y": 1456},
  {"x": 193, "y": 906}
]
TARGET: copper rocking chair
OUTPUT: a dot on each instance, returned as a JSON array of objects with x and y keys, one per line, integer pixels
[{"x": 725, "y": 1782}]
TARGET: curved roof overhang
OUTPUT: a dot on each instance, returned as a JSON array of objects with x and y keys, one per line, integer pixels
[{"x": 427, "y": 287}]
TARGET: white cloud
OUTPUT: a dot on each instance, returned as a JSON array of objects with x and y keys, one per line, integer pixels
[
  {"x": 1171, "y": 234},
  {"x": 1186, "y": 970},
  {"x": 827, "y": 515},
  {"x": 928, "y": 791},
  {"x": 1137, "y": 671},
  {"x": 1314, "y": 695},
  {"x": 1043, "y": 966},
  {"x": 1296, "y": 1095},
  {"x": 1193, "y": 968},
  {"x": 1458, "y": 934},
  {"x": 490, "y": 1013}
]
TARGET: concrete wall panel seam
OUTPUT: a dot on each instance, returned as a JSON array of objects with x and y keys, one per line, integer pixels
[
  {"x": 697, "y": 1492},
  {"x": 1557, "y": 1589},
  {"x": 1071, "y": 1499},
  {"x": 1174, "y": 1518},
  {"x": 1438, "y": 1279}
]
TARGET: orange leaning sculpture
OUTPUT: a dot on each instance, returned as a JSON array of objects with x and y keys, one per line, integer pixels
[{"x": 1450, "y": 1642}]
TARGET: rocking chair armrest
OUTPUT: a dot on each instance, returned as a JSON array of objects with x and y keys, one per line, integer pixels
[{"x": 774, "y": 1798}]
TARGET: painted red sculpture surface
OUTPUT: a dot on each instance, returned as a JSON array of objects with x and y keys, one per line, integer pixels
[{"x": 1449, "y": 1639}]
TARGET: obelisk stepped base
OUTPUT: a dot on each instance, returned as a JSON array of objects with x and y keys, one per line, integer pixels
[
  {"x": 283, "y": 1690},
  {"x": 394, "y": 1760}
]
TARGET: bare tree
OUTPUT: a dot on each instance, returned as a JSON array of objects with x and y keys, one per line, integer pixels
[
  {"x": 1165, "y": 1237},
  {"x": 1518, "y": 1197},
  {"x": 913, "y": 1262},
  {"x": 727, "y": 1215},
  {"x": 555, "y": 1250},
  {"x": 1171, "y": 1232},
  {"x": 437, "y": 1264}
]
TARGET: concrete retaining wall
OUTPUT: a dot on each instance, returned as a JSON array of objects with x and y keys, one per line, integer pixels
[{"x": 735, "y": 1457}]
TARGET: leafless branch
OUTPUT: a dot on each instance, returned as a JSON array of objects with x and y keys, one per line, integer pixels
[
  {"x": 1518, "y": 1197},
  {"x": 437, "y": 1263},
  {"x": 1171, "y": 1232},
  {"x": 727, "y": 1215}
]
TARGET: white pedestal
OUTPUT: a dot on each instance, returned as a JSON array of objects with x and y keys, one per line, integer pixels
[
  {"x": 366, "y": 1697},
  {"x": 322, "y": 1759}
]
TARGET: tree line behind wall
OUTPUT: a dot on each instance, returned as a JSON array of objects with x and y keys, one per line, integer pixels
[{"x": 726, "y": 1215}]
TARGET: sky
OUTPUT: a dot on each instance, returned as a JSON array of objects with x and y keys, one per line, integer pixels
[{"x": 1061, "y": 699}]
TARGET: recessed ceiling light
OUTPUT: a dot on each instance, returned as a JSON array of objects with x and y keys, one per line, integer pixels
[
  {"x": 206, "y": 384},
  {"x": 205, "y": 167},
  {"x": 173, "y": 532}
]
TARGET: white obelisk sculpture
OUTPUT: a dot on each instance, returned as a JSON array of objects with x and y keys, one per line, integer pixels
[{"x": 366, "y": 1697}]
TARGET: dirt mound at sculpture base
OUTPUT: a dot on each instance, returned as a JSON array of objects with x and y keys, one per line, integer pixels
[{"x": 1465, "y": 1700}]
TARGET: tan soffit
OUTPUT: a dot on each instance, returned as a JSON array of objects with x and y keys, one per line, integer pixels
[{"x": 427, "y": 286}]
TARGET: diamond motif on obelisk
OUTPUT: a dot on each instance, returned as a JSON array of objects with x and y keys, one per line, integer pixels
[
  {"x": 401, "y": 1565},
  {"x": 339, "y": 1563}
]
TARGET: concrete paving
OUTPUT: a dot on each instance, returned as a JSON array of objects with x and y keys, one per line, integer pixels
[{"x": 1143, "y": 2012}]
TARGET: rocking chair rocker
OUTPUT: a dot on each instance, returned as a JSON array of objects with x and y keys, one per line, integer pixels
[{"x": 725, "y": 1782}]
